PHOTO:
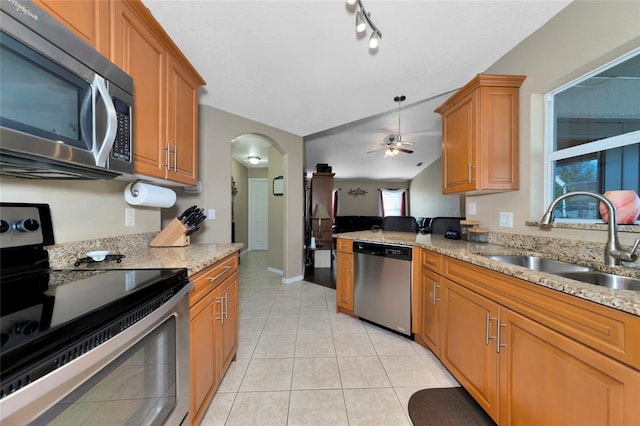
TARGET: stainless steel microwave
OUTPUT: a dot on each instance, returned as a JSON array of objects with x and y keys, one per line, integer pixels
[{"x": 66, "y": 111}]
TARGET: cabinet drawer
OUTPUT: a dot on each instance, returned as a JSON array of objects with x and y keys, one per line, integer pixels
[
  {"x": 209, "y": 278},
  {"x": 345, "y": 246},
  {"x": 432, "y": 260}
]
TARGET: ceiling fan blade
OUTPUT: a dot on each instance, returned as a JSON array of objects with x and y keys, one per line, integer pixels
[
  {"x": 406, "y": 151},
  {"x": 375, "y": 150}
]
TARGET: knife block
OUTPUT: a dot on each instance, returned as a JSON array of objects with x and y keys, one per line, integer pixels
[{"x": 173, "y": 235}]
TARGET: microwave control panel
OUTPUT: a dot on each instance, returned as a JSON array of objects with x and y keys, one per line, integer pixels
[{"x": 122, "y": 146}]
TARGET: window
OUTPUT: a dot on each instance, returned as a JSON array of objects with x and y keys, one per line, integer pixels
[
  {"x": 392, "y": 202},
  {"x": 593, "y": 136}
]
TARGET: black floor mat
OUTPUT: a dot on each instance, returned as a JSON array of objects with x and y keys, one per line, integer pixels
[{"x": 446, "y": 407}]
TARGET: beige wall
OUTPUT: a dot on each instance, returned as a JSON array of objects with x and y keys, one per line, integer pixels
[
  {"x": 276, "y": 213},
  {"x": 585, "y": 35},
  {"x": 82, "y": 210},
  {"x": 240, "y": 174},
  {"x": 363, "y": 205},
  {"x": 217, "y": 129},
  {"x": 427, "y": 199}
]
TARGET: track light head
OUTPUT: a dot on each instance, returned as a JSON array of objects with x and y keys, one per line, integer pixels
[
  {"x": 374, "y": 40},
  {"x": 361, "y": 24},
  {"x": 363, "y": 18}
]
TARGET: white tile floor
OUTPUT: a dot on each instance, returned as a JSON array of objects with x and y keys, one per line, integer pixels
[{"x": 301, "y": 363}]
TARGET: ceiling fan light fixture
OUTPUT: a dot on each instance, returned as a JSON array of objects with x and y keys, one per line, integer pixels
[
  {"x": 253, "y": 159},
  {"x": 351, "y": 2}
]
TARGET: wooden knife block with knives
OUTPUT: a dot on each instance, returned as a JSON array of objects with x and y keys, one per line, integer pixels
[{"x": 178, "y": 232}]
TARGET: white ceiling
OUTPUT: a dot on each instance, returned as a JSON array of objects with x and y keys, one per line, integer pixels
[{"x": 299, "y": 66}]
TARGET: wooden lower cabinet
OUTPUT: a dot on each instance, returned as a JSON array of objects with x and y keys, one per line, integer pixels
[
  {"x": 430, "y": 310},
  {"x": 523, "y": 372},
  {"x": 214, "y": 331},
  {"x": 344, "y": 277},
  {"x": 549, "y": 379},
  {"x": 468, "y": 348}
]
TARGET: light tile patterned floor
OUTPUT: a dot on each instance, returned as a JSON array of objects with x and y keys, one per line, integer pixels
[{"x": 301, "y": 363}]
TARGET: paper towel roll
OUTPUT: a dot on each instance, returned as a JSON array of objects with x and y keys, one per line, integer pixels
[{"x": 144, "y": 194}]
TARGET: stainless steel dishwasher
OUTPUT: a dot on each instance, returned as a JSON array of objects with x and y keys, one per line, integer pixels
[{"x": 382, "y": 285}]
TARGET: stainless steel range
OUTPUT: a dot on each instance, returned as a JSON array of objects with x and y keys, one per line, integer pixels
[{"x": 87, "y": 345}]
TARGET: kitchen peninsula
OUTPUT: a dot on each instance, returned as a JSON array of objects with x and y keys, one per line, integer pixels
[{"x": 530, "y": 347}]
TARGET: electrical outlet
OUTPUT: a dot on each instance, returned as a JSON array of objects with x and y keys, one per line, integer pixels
[
  {"x": 506, "y": 219},
  {"x": 472, "y": 208},
  {"x": 129, "y": 217},
  {"x": 211, "y": 214}
]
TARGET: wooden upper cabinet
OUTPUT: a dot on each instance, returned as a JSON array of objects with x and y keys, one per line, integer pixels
[
  {"x": 182, "y": 122},
  {"x": 480, "y": 135},
  {"x": 165, "y": 94},
  {"x": 137, "y": 51},
  {"x": 89, "y": 20}
]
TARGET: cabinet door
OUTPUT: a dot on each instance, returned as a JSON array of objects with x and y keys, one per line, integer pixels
[
  {"x": 204, "y": 377},
  {"x": 459, "y": 136},
  {"x": 468, "y": 345},
  {"x": 137, "y": 51},
  {"x": 431, "y": 308},
  {"x": 227, "y": 323},
  {"x": 549, "y": 379},
  {"x": 182, "y": 123},
  {"x": 344, "y": 283},
  {"x": 88, "y": 19}
]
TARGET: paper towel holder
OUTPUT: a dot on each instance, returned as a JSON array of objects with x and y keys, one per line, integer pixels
[{"x": 134, "y": 192}]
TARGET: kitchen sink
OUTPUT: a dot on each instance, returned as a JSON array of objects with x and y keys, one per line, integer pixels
[
  {"x": 537, "y": 263},
  {"x": 603, "y": 279}
]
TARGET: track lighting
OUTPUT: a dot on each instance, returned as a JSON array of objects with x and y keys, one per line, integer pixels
[
  {"x": 253, "y": 160},
  {"x": 362, "y": 19}
]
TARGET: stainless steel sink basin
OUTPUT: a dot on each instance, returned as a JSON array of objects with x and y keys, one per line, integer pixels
[
  {"x": 541, "y": 264},
  {"x": 603, "y": 279}
]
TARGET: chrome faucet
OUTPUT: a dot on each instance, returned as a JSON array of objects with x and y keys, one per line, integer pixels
[{"x": 613, "y": 253}]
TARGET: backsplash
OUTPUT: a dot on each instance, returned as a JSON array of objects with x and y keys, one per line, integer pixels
[
  {"x": 584, "y": 250},
  {"x": 61, "y": 255}
]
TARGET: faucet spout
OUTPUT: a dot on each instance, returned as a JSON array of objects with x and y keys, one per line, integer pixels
[{"x": 612, "y": 251}]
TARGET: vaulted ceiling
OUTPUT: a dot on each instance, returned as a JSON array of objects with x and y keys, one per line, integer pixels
[{"x": 300, "y": 66}]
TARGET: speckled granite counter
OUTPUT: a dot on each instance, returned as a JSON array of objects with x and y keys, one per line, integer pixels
[
  {"x": 624, "y": 300},
  {"x": 139, "y": 255}
]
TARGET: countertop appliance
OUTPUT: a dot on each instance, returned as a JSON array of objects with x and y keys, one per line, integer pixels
[
  {"x": 382, "y": 285},
  {"x": 66, "y": 111},
  {"x": 106, "y": 344}
]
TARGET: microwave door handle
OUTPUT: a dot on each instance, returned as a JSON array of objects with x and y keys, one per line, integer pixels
[{"x": 102, "y": 152}]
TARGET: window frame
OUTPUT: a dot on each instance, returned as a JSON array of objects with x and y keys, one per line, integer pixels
[{"x": 551, "y": 155}]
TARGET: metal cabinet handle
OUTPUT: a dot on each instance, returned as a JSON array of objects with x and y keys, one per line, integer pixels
[
  {"x": 226, "y": 306},
  {"x": 168, "y": 158},
  {"x": 221, "y": 317},
  {"x": 226, "y": 268},
  {"x": 435, "y": 287},
  {"x": 488, "y": 328},
  {"x": 175, "y": 158},
  {"x": 498, "y": 344},
  {"x": 469, "y": 172}
]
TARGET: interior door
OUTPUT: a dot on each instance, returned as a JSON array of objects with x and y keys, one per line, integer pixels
[{"x": 258, "y": 214}]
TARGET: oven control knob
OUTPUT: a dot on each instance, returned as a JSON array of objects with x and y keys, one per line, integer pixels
[
  {"x": 27, "y": 225},
  {"x": 4, "y": 226}
]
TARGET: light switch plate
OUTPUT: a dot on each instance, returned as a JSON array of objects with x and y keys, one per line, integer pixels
[
  {"x": 472, "y": 208},
  {"x": 211, "y": 214},
  {"x": 506, "y": 219}
]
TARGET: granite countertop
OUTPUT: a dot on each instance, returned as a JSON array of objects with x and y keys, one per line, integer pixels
[
  {"x": 139, "y": 255},
  {"x": 475, "y": 253}
]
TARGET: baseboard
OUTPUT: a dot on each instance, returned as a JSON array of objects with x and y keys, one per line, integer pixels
[
  {"x": 292, "y": 279},
  {"x": 274, "y": 270}
]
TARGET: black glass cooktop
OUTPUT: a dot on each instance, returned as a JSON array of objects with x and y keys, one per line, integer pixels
[{"x": 42, "y": 311}]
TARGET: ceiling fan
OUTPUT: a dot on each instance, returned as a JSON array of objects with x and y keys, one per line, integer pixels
[{"x": 393, "y": 144}]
